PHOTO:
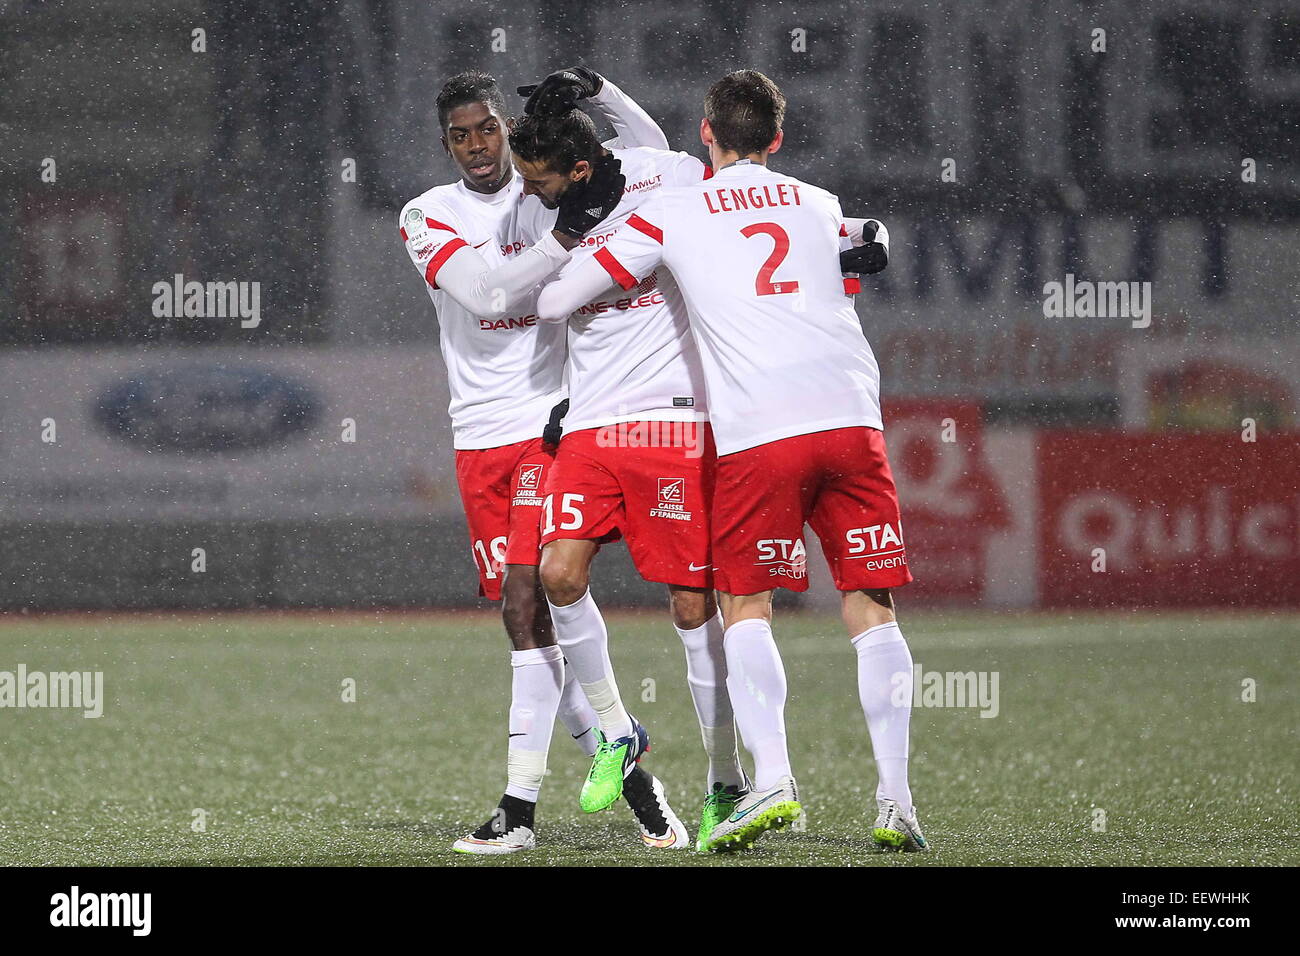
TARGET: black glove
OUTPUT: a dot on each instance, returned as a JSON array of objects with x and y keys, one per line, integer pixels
[
  {"x": 867, "y": 259},
  {"x": 555, "y": 427},
  {"x": 560, "y": 92},
  {"x": 588, "y": 201}
]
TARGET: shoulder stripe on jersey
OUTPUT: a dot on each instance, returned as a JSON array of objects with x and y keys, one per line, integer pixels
[
  {"x": 650, "y": 229},
  {"x": 614, "y": 267},
  {"x": 431, "y": 223},
  {"x": 442, "y": 255},
  {"x": 852, "y": 286}
]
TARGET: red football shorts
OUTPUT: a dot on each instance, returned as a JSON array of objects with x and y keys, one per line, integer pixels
[
  {"x": 838, "y": 482},
  {"x": 646, "y": 482},
  {"x": 502, "y": 491}
]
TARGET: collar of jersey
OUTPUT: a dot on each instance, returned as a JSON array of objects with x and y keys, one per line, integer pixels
[
  {"x": 740, "y": 164},
  {"x": 489, "y": 199}
]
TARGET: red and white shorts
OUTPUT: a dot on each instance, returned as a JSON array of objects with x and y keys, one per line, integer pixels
[
  {"x": 502, "y": 489},
  {"x": 646, "y": 482},
  {"x": 838, "y": 482}
]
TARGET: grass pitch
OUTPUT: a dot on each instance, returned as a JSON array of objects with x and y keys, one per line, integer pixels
[{"x": 1138, "y": 717}]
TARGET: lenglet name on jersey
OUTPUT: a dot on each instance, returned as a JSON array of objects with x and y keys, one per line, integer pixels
[{"x": 753, "y": 197}]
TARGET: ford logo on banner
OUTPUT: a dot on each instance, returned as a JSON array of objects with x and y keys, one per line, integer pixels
[{"x": 207, "y": 408}]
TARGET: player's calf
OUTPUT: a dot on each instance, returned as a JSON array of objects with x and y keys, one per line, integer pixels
[{"x": 523, "y": 609}]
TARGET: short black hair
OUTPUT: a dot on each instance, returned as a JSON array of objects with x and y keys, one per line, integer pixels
[
  {"x": 472, "y": 86},
  {"x": 745, "y": 110},
  {"x": 558, "y": 141}
]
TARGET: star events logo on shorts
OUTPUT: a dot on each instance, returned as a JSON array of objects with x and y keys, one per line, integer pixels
[{"x": 783, "y": 557}]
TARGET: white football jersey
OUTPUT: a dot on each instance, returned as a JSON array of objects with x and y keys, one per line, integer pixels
[
  {"x": 505, "y": 372},
  {"x": 630, "y": 352},
  {"x": 756, "y": 256}
]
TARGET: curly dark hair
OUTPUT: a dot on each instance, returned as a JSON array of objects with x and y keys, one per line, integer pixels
[
  {"x": 472, "y": 86},
  {"x": 559, "y": 142}
]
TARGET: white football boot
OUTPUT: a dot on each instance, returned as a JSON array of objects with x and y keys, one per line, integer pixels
[
  {"x": 895, "y": 831},
  {"x": 499, "y": 835},
  {"x": 660, "y": 828},
  {"x": 754, "y": 814}
]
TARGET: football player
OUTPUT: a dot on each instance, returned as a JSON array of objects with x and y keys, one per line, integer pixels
[
  {"x": 505, "y": 374},
  {"x": 636, "y": 460},
  {"x": 793, "y": 391}
]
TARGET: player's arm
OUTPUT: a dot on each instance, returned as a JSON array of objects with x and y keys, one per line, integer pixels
[
  {"x": 451, "y": 264},
  {"x": 483, "y": 290},
  {"x": 561, "y": 91},
  {"x": 633, "y": 126},
  {"x": 631, "y": 254}
]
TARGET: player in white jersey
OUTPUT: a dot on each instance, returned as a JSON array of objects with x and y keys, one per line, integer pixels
[
  {"x": 635, "y": 462},
  {"x": 794, "y": 399},
  {"x": 505, "y": 376}
]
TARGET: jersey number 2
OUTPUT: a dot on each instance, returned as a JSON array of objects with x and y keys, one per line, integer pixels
[{"x": 763, "y": 284}]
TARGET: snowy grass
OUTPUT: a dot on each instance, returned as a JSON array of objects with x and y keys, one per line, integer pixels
[{"x": 241, "y": 716}]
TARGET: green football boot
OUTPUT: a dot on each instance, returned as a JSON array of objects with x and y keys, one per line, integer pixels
[
  {"x": 718, "y": 804},
  {"x": 613, "y": 761}
]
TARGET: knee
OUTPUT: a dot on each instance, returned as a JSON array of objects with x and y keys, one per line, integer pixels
[
  {"x": 737, "y": 608},
  {"x": 692, "y": 609},
  {"x": 564, "y": 579},
  {"x": 866, "y": 609}
]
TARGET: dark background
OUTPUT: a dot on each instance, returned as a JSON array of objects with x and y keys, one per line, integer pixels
[{"x": 225, "y": 164}]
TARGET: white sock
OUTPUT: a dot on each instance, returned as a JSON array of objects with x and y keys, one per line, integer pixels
[
  {"x": 706, "y": 673},
  {"x": 537, "y": 676},
  {"x": 883, "y": 654},
  {"x": 580, "y": 630},
  {"x": 576, "y": 713},
  {"x": 756, "y": 682}
]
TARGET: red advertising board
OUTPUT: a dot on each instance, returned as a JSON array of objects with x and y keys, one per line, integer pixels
[
  {"x": 1141, "y": 520},
  {"x": 949, "y": 498}
]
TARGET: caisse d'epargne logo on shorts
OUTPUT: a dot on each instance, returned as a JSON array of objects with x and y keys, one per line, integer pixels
[
  {"x": 672, "y": 500},
  {"x": 528, "y": 485},
  {"x": 783, "y": 557}
]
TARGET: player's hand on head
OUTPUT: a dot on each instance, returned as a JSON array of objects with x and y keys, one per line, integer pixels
[
  {"x": 560, "y": 92},
  {"x": 588, "y": 202}
]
